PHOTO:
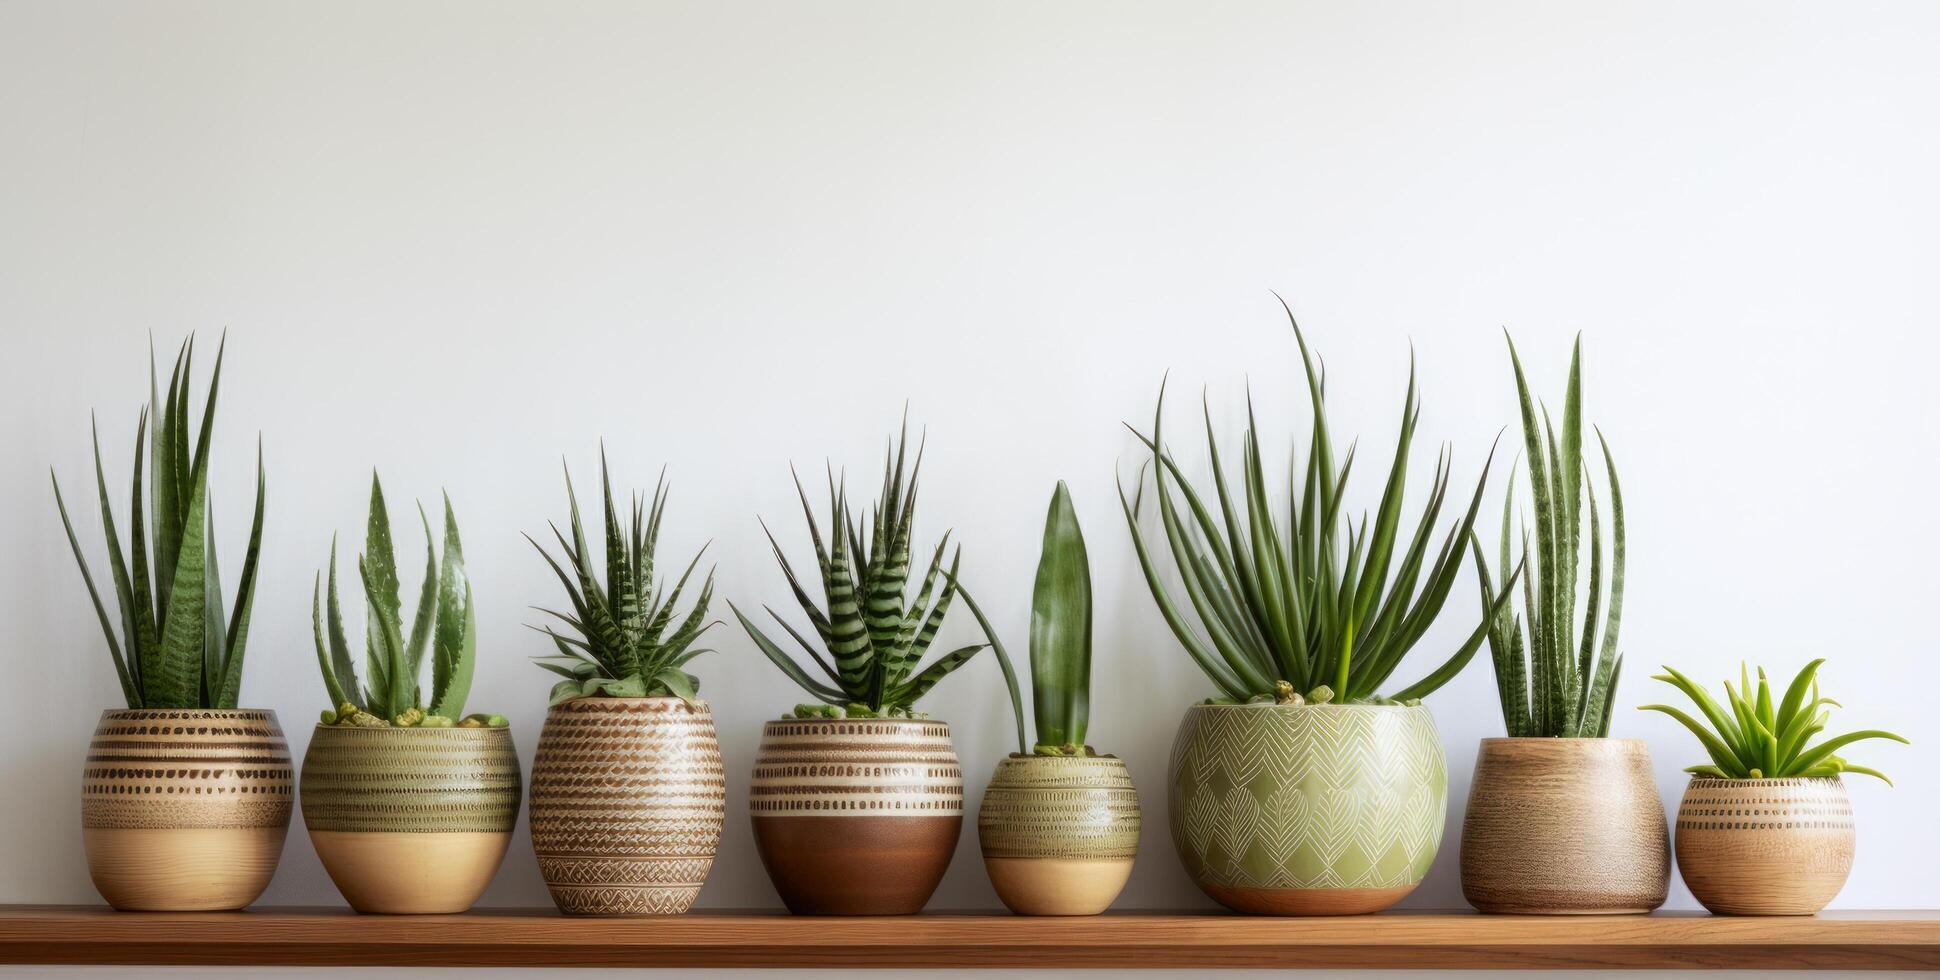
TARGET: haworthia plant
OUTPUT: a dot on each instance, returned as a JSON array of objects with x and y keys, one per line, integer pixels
[
  {"x": 443, "y": 623},
  {"x": 621, "y": 646},
  {"x": 1759, "y": 738},
  {"x": 177, "y": 649},
  {"x": 1551, "y": 678},
  {"x": 1294, "y": 613}
]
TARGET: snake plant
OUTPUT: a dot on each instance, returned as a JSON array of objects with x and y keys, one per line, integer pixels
[
  {"x": 1759, "y": 739},
  {"x": 1292, "y": 614},
  {"x": 622, "y": 648},
  {"x": 1060, "y": 633},
  {"x": 874, "y": 637},
  {"x": 177, "y": 649},
  {"x": 1551, "y": 680},
  {"x": 444, "y": 622}
]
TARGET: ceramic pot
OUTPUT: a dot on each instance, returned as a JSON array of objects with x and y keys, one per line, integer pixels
[
  {"x": 410, "y": 820},
  {"x": 1564, "y": 826},
  {"x": 1307, "y": 809},
  {"x": 185, "y": 809},
  {"x": 856, "y": 816},
  {"x": 1765, "y": 846},
  {"x": 1058, "y": 833},
  {"x": 628, "y": 796}
]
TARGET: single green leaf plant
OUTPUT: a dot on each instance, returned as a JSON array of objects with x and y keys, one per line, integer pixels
[
  {"x": 444, "y": 623},
  {"x": 177, "y": 648},
  {"x": 1753, "y": 736},
  {"x": 620, "y": 644},
  {"x": 1292, "y": 613}
]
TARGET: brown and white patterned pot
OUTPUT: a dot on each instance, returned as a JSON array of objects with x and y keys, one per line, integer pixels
[
  {"x": 856, "y": 816},
  {"x": 1765, "y": 846},
  {"x": 628, "y": 797},
  {"x": 1058, "y": 833},
  {"x": 185, "y": 809},
  {"x": 410, "y": 820}
]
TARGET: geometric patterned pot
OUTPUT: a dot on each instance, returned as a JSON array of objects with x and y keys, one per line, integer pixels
[
  {"x": 1307, "y": 809},
  {"x": 856, "y": 816},
  {"x": 627, "y": 801},
  {"x": 185, "y": 809},
  {"x": 410, "y": 820},
  {"x": 1765, "y": 846},
  {"x": 1058, "y": 833}
]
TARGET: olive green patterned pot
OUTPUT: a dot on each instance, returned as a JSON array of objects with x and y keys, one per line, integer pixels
[
  {"x": 410, "y": 820},
  {"x": 1059, "y": 832},
  {"x": 1307, "y": 809}
]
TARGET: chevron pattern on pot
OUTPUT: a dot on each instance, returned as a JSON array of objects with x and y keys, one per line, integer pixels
[{"x": 1308, "y": 796}]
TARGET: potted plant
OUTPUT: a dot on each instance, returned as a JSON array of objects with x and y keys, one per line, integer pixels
[
  {"x": 628, "y": 794},
  {"x": 857, "y": 800},
  {"x": 1765, "y": 827},
  {"x": 1561, "y": 818},
  {"x": 410, "y": 805},
  {"x": 1297, "y": 789},
  {"x": 1059, "y": 824},
  {"x": 185, "y": 798}
]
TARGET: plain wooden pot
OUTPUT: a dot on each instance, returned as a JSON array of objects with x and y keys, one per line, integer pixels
[
  {"x": 856, "y": 816},
  {"x": 185, "y": 809},
  {"x": 1765, "y": 846},
  {"x": 627, "y": 801},
  {"x": 1058, "y": 833},
  {"x": 410, "y": 820},
  {"x": 1564, "y": 826}
]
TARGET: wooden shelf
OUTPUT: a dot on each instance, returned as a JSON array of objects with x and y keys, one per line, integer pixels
[{"x": 541, "y": 937}]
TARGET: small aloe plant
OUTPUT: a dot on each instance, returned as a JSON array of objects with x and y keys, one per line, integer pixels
[
  {"x": 444, "y": 623},
  {"x": 1758, "y": 738},
  {"x": 177, "y": 649}
]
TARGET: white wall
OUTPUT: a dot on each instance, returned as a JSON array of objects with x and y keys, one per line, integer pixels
[{"x": 458, "y": 240}]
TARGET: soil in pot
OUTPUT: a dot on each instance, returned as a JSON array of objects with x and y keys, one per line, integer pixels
[
  {"x": 1059, "y": 833},
  {"x": 1765, "y": 846}
]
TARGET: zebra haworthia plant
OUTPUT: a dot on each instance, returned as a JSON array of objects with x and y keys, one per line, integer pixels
[
  {"x": 177, "y": 649},
  {"x": 444, "y": 623},
  {"x": 1755, "y": 737},
  {"x": 1292, "y": 614},
  {"x": 622, "y": 647}
]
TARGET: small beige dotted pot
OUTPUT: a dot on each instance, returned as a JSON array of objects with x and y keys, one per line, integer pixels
[
  {"x": 1764, "y": 846},
  {"x": 1059, "y": 833},
  {"x": 185, "y": 809}
]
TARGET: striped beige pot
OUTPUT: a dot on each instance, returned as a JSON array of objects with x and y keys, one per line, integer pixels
[
  {"x": 1765, "y": 846},
  {"x": 410, "y": 820},
  {"x": 1058, "y": 833},
  {"x": 856, "y": 816},
  {"x": 1564, "y": 826},
  {"x": 185, "y": 809},
  {"x": 628, "y": 796}
]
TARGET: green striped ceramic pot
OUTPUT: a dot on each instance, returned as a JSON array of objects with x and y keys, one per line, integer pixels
[
  {"x": 1307, "y": 809},
  {"x": 1058, "y": 833},
  {"x": 410, "y": 820}
]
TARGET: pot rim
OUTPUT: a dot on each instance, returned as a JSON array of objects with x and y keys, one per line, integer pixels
[
  {"x": 609, "y": 699},
  {"x": 1060, "y": 759},
  {"x": 845, "y": 721},
  {"x": 507, "y": 729},
  {"x": 105, "y": 712},
  {"x": 1764, "y": 780},
  {"x": 1201, "y": 705},
  {"x": 1559, "y": 740}
]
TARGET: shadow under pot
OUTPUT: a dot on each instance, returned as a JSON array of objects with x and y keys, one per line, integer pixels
[
  {"x": 1564, "y": 826},
  {"x": 410, "y": 820},
  {"x": 1059, "y": 833},
  {"x": 628, "y": 797},
  {"x": 1281, "y": 809},
  {"x": 1765, "y": 846},
  {"x": 185, "y": 809},
  {"x": 856, "y": 816}
]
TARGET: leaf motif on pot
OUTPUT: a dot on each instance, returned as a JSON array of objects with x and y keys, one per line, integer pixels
[{"x": 1238, "y": 824}]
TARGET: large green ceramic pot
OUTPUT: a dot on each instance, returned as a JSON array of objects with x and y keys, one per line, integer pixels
[{"x": 1307, "y": 809}]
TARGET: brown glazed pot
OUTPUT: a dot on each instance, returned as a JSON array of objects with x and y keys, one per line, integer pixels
[
  {"x": 628, "y": 797},
  {"x": 1564, "y": 826},
  {"x": 185, "y": 809},
  {"x": 856, "y": 816},
  {"x": 1765, "y": 846}
]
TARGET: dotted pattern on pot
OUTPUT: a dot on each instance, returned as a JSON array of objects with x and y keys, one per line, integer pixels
[
  {"x": 161, "y": 768},
  {"x": 856, "y": 767},
  {"x": 1765, "y": 804}
]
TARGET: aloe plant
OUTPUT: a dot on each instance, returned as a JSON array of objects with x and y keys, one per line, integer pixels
[
  {"x": 1759, "y": 738},
  {"x": 1551, "y": 680},
  {"x": 444, "y": 623},
  {"x": 177, "y": 649},
  {"x": 1291, "y": 614},
  {"x": 1060, "y": 633},
  {"x": 621, "y": 647},
  {"x": 873, "y": 635}
]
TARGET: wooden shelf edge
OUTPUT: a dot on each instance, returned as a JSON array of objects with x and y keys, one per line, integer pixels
[{"x": 1908, "y": 940}]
